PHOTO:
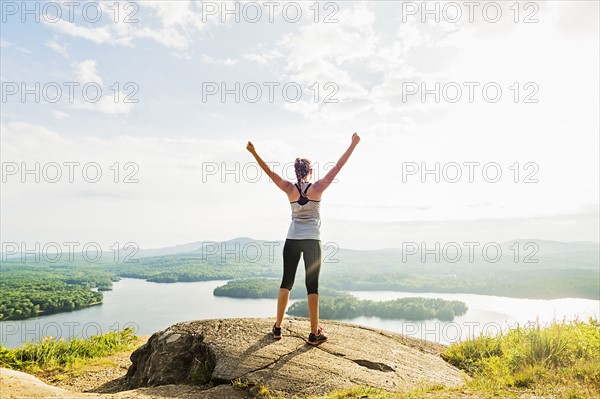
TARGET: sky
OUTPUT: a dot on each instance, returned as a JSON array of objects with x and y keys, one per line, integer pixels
[{"x": 128, "y": 121}]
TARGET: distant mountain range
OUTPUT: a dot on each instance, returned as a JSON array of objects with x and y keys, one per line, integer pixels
[
  {"x": 544, "y": 248},
  {"x": 549, "y": 246},
  {"x": 198, "y": 246}
]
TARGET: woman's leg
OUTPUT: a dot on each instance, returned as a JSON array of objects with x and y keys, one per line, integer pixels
[
  {"x": 313, "y": 312},
  {"x": 291, "y": 258},
  {"x": 312, "y": 263},
  {"x": 282, "y": 302}
]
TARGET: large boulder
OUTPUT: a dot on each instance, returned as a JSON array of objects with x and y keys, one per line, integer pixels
[{"x": 219, "y": 351}]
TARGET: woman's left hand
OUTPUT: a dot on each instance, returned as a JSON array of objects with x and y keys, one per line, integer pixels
[{"x": 250, "y": 147}]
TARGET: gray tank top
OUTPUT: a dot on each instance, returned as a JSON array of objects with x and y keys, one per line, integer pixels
[{"x": 306, "y": 220}]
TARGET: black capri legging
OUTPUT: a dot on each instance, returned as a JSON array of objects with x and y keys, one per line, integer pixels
[{"x": 312, "y": 263}]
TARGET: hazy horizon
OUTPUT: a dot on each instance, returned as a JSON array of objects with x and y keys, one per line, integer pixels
[{"x": 381, "y": 248}]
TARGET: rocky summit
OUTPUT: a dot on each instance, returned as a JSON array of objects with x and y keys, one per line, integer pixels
[{"x": 214, "y": 353}]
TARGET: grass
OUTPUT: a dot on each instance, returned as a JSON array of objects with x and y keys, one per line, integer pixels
[
  {"x": 256, "y": 391},
  {"x": 202, "y": 374},
  {"x": 59, "y": 355},
  {"x": 240, "y": 384},
  {"x": 359, "y": 392},
  {"x": 558, "y": 357},
  {"x": 560, "y": 360}
]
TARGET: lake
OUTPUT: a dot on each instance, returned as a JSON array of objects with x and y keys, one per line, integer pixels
[
  {"x": 486, "y": 313},
  {"x": 149, "y": 307}
]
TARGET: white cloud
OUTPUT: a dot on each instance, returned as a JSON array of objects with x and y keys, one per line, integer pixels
[
  {"x": 578, "y": 18},
  {"x": 59, "y": 48},
  {"x": 86, "y": 72},
  {"x": 108, "y": 102},
  {"x": 21, "y": 139},
  {"x": 175, "y": 166},
  {"x": 366, "y": 64},
  {"x": 60, "y": 114},
  {"x": 172, "y": 13},
  {"x": 100, "y": 35},
  {"x": 168, "y": 37},
  {"x": 107, "y": 105},
  {"x": 173, "y": 24},
  {"x": 7, "y": 44},
  {"x": 216, "y": 61},
  {"x": 264, "y": 58}
]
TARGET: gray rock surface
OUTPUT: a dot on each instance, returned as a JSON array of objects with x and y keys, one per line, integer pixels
[{"x": 219, "y": 351}]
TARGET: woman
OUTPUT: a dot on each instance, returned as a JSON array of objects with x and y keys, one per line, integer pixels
[{"x": 303, "y": 235}]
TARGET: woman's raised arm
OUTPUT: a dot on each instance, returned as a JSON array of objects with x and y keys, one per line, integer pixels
[
  {"x": 284, "y": 185},
  {"x": 323, "y": 183}
]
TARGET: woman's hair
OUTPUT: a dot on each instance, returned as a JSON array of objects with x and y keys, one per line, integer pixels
[{"x": 302, "y": 167}]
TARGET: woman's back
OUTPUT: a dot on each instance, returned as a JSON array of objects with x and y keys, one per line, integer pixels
[{"x": 306, "y": 219}]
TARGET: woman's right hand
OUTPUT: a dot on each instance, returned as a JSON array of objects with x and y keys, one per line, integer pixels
[
  {"x": 355, "y": 139},
  {"x": 250, "y": 147}
]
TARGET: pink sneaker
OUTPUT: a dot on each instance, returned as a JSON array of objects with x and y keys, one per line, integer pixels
[{"x": 276, "y": 332}]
